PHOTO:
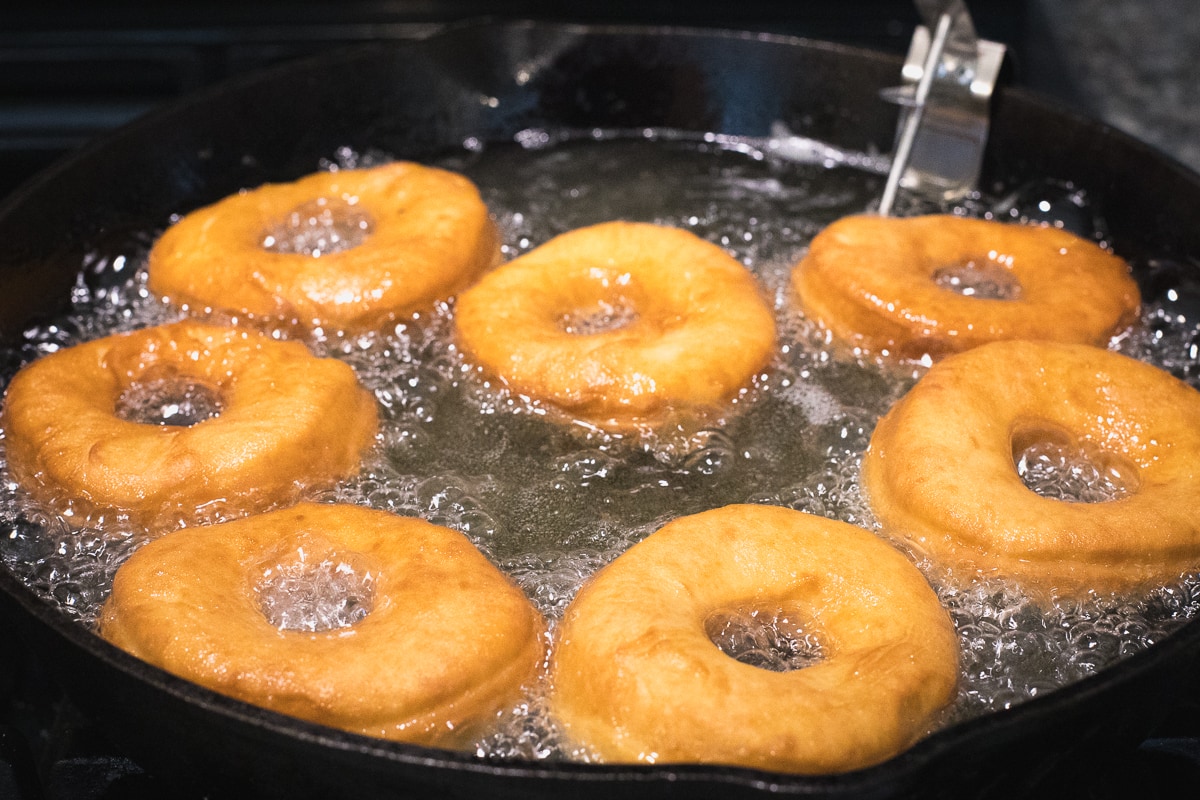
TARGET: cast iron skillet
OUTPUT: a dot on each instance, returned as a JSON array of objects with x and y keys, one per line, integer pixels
[{"x": 421, "y": 99}]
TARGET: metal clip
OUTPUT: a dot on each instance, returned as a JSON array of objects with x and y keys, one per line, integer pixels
[{"x": 949, "y": 77}]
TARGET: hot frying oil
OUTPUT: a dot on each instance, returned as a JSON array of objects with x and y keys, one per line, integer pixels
[{"x": 550, "y": 501}]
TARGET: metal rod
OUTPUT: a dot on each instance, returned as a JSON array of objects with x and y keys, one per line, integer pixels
[{"x": 913, "y": 120}]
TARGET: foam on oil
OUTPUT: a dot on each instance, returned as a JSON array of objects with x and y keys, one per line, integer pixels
[
  {"x": 314, "y": 589},
  {"x": 322, "y": 226},
  {"x": 551, "y": 502}
]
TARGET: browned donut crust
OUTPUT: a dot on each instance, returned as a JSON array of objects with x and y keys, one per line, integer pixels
[
  {"x": 940, "y": 468},
  {"x": 288, "y": 420},
  {"x": 696, "y": 330},
  {"x": 431, "y": 237},
  {"x": 871, "y": 282},
  {"x": 448, "y": 643},
  {"x": 637, "y": 679}
]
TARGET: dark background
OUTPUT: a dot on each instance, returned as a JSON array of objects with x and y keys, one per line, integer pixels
[{"x": 71, "y": 70}]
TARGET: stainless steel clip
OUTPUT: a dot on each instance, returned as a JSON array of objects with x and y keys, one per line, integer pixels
[{"x": 949, "y": 76}]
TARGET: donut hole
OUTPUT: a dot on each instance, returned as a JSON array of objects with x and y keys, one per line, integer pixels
[
  {"x": 984, "y": 279},
  {"x": 602, "y": 317},
  {"x": 319, "y": 227},
  {"x": 176, "y": 400},
  {"x": 314, "y": 589},
  {"x": 773, "y": 640},
  {"x": 1054, "y": 463}
]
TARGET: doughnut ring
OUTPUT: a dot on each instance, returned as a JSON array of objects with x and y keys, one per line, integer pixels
[
  {"x": 636, "y": 678},
  {"x": 617, "y": 322},
  {"x": 444, "y": 643},
  {"x": 941, "y": 467},
  {"x": 425, "y": 233},
  {"x": 285, "y": 420},
  {"x": 886, "y": 284}
]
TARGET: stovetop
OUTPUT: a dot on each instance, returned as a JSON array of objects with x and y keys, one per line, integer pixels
[
  {"x": 73, "y": 72},
  {"x": 72, "y": 75}
]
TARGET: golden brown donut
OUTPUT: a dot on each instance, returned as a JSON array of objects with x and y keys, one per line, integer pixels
[
  {"x": 446, "y": 643},
  {"x": 287, "y": 420},
  {"x": 687, "y": 324},
  {"x": 872, "y": 282},
  {"x": 430, "y": 235},
  {"x": 637, "y": 679},
  {"x": 940, "y": 470}
]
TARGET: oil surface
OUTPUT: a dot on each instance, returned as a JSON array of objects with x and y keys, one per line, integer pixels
[{"x": 550, "y": 502}]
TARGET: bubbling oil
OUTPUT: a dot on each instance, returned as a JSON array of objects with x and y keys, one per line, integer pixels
[
  {"x": 172, "y": 400},
  {"x": 1055, "y": 465},
  {"x": 603, "y": 317},
  {"x": 551, "y": 502},
  {"x": 314, "y": 594},
  {"x": 984, "y": 280},
  {"x": 319, "y": 227},
  {"x": 772, "y": 640}
]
